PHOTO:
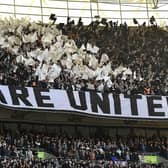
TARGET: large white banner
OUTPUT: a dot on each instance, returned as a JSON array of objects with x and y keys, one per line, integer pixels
[{"x": 88, "y": 103}]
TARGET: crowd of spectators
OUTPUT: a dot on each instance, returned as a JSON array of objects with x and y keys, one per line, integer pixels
[
  {"x": 102, "y": 56},
  {"x": 20, "y": 149}
]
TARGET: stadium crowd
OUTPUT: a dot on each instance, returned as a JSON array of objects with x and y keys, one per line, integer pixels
[
  {"x": 20, "y": 149},
  {"x": 101, "y": 56}
]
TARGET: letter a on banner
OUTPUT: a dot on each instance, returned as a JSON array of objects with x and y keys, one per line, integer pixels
[{"x": 23, "y": 95}]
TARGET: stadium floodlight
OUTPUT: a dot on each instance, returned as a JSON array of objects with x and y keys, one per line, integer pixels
[{"x": 53, "y": 17}]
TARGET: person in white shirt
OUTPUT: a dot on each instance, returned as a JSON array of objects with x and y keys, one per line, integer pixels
[{"x": 92, "y": 48}]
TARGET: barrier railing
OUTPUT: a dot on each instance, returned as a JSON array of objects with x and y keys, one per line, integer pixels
[{"x": 88, "y": 9}]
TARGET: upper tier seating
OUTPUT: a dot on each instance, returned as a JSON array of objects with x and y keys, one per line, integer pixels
[{"x": 102, "y": 56}]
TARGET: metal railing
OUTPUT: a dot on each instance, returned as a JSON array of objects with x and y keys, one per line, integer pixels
[{"x": 121, "y": 10}]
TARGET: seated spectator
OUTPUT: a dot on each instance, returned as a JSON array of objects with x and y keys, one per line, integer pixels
[{"x": 21, "y": 150}]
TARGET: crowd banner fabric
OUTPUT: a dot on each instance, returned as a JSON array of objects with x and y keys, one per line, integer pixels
[{"x": 87, "y": 103}]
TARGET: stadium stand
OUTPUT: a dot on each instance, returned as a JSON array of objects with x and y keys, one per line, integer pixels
[
  {"x": 102, "y": 56},
  {"x": 20, "y": 149}
]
